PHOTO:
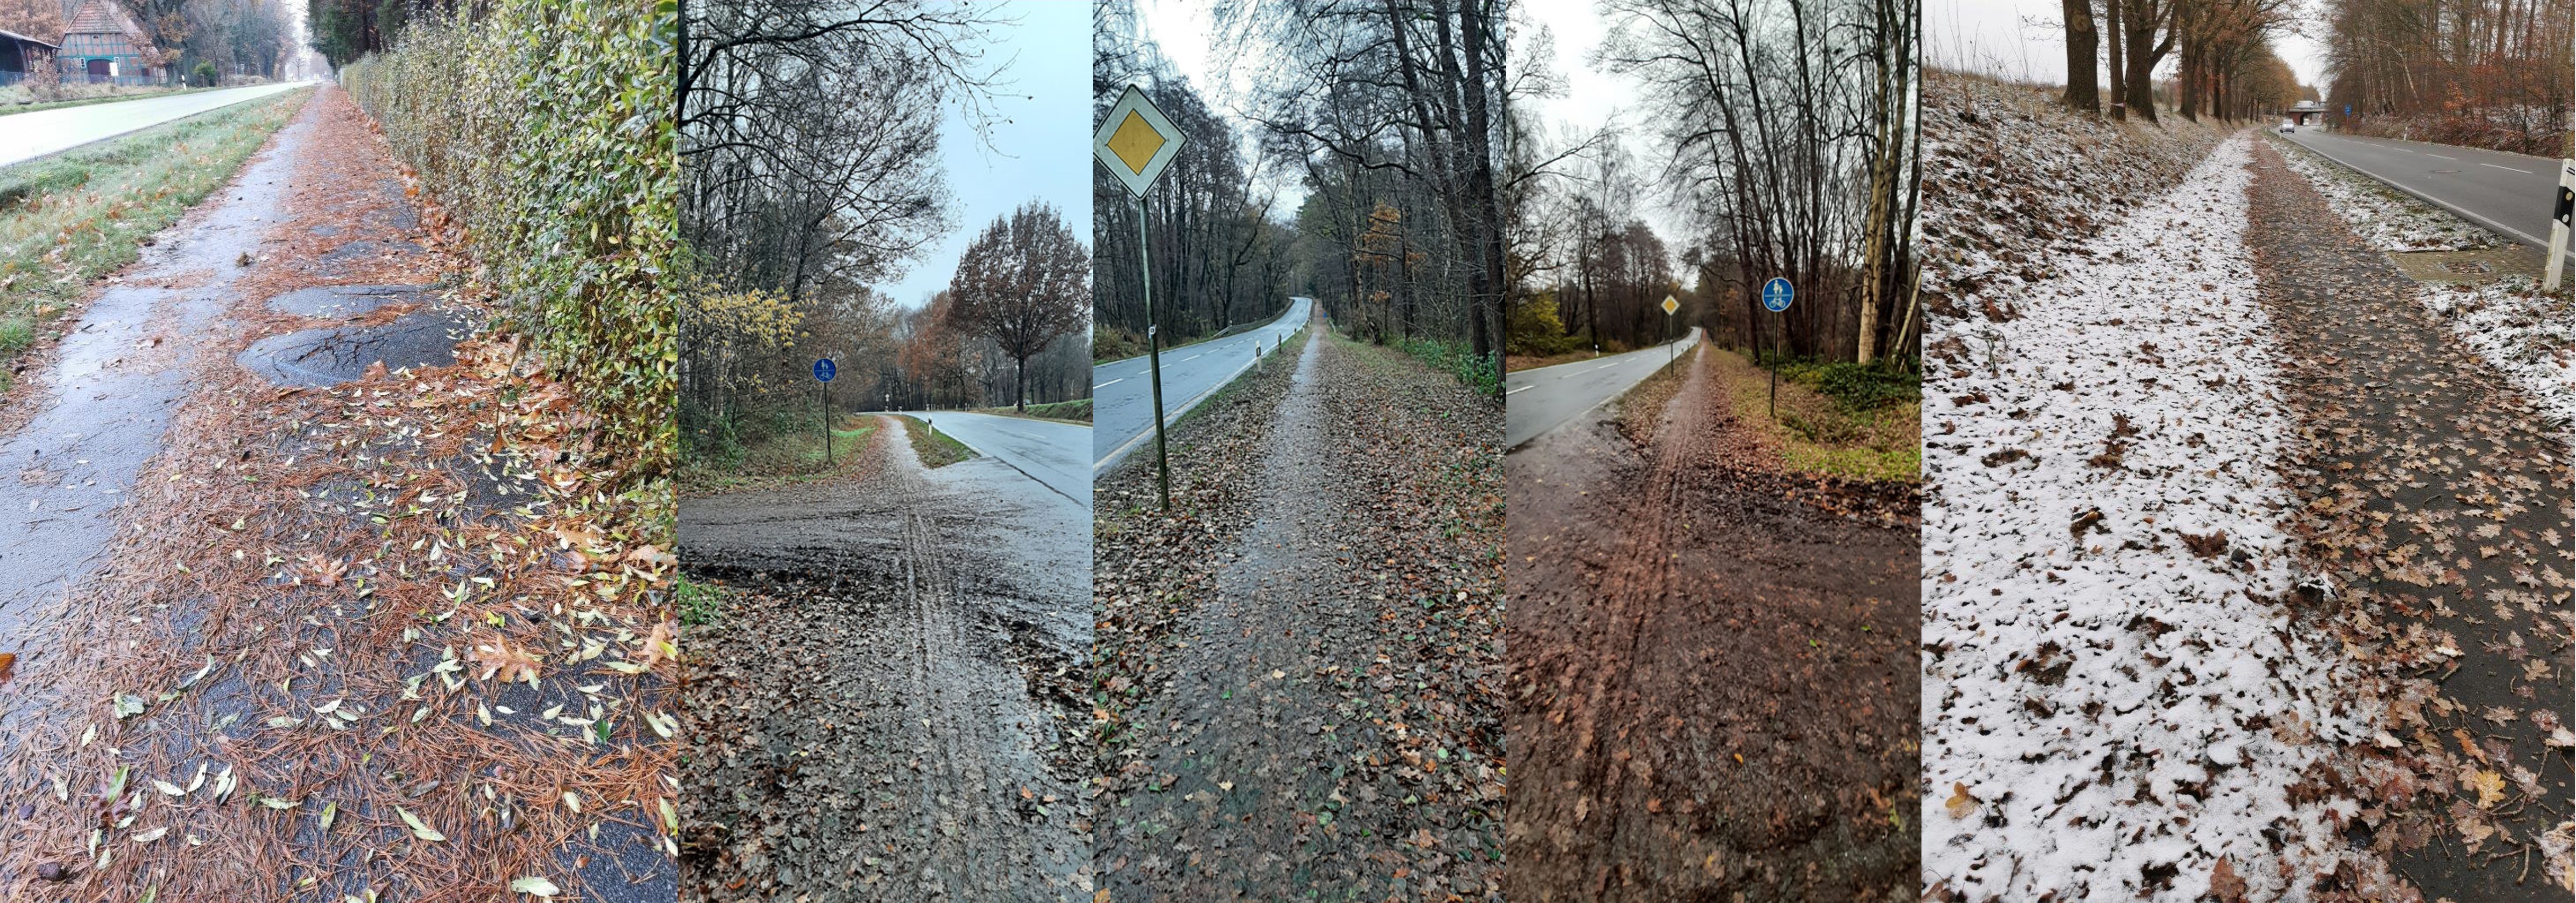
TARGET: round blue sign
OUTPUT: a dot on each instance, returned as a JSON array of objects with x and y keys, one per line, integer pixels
[
  {"x": 1776, "y": 294},
  {"x": 823, "y": 370}
]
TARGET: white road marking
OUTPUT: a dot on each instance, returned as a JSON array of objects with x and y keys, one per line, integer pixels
[
  {"x": 2522, "y": 171},
  {"x": 1518, "y": 390},
  {"x": 2432, "y": 154},
  {"x": 1193, "y": 357},
  {"x": 1108, "y": 384},
  {"x": 1605, "y": 366}
]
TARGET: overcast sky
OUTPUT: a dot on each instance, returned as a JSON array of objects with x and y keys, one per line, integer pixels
[
  {"x": 2023, "y": 39},
  {"x": 1594, "y": 96},
  {"x": 1040, "y": 147}
]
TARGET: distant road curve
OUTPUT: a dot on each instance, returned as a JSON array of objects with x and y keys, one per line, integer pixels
[{"x": 1122, "y": 399}]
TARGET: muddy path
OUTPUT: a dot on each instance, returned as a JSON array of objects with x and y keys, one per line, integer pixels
[
  {"x": 1321, "y": 719},
  {"x": 2437, "y": 502},
  {"x": 329, "y": 620},
  {"x": 1714, "y": 691},
  {"x": 887, "y": 706}
]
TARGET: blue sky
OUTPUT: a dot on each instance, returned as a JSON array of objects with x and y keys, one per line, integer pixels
[{"x": 1040, "y": 146}]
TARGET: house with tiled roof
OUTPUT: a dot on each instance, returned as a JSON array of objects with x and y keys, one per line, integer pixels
[{"x": 102, "y": 44}]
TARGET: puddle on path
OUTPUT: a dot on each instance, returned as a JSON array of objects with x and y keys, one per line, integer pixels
[
  {"x": 333, "y": 355},
  {"x": 346, "y": 300}
]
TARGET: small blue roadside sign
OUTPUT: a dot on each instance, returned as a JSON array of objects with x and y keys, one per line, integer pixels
[
  {"x": 1776, "y": 294},
  {"x": 823, "y": 370},
  {"x": 2347, "y": 111}
]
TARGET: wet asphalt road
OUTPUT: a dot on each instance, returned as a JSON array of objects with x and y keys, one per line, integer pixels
[
  {"x": 1538, "y": 400},
  {"x": 1122, "y": 411},
  {"x": 32, "y": 135},
  {"x": 2509, "y": 193},
  {"x": 1050, "y": 453}
]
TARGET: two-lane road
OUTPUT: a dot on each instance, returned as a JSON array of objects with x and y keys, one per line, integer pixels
[
  {"x": 26, "y": 136},
  {"x": 1049, "y": 452},
  {"x": 2508, "y": 193},
  {"x": 1543, "y": 398},
  {"x": 1122, "y": 404}
]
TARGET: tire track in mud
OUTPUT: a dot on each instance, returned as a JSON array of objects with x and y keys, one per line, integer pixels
[
  {"x": 1662, "y": 724},
  {"x": 933, "y": 677}
]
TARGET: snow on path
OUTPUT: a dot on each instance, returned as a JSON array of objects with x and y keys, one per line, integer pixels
[
  {"x": 2527, "y": 336},
  {"x": 2107, "y": 712}
]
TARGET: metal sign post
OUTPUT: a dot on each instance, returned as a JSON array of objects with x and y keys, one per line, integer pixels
[
  {"x": 2562, "y": 220},
  {"x": 1136, "y": 142},
  {"x": 1776, "y": 295},
  {"x": 823, "y": 373}
]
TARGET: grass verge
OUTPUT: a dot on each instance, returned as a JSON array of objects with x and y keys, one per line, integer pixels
[
  {"x": 936, "y": 449},
  {"x": 1077, "y": 410},
  {"x": 1866, "y": 426},
  {"x": 68, "y": 219},
  {"x": 700, "y": 603},
  {"x": 794, "y": 456},
  {"x": 103, "y": 98}
]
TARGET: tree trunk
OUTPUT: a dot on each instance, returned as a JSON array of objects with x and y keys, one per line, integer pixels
[
  {"x": 2119, "y": 76},
  {"x": 2083, "y": 91}
]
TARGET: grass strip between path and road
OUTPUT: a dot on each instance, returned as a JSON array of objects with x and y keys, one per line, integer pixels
[
  {"x": 1075, "y": 411},
  {"x": 68, "y": 219},
  {"x": 104, "y": 98},
  {"x": 936, "y": 449}
]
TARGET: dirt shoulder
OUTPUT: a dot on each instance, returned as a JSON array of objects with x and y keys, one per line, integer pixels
[
  {"x": 1300, "y": 688},
  {"x": 1713, "y": 679}
]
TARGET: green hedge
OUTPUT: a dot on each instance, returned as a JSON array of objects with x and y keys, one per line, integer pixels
[{"x": 545, "y": 129}]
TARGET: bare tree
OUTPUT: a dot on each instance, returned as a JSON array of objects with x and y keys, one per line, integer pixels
[{"x": 1023, "y": 283}]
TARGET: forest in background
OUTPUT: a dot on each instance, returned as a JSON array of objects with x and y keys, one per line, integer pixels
[
  {"x": 2481, "y": 73},
  {"x": 810, "y": 154},
  {"x": 1387, "y": 116},
  {"x": 1784, "y": 130},
  {"x": 2221, "y": 50}
]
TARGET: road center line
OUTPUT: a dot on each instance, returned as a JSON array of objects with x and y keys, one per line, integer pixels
[
  {"x": 1518, "y": 391},
  {"x": 2432, "y": 154},
  {"x": 1108, "y": 384},
  {"x": 2522, "y": 171}
]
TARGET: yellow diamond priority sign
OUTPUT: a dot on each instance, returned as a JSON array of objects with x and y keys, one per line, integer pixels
[
  {"x": 1671, "y": 305},
  {"x": 1136, "y": 141}
]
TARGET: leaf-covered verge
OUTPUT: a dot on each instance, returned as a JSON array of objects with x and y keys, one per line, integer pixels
[
  {"x": 71, "y": 218},
  {"x": 544, "y": 129}
]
